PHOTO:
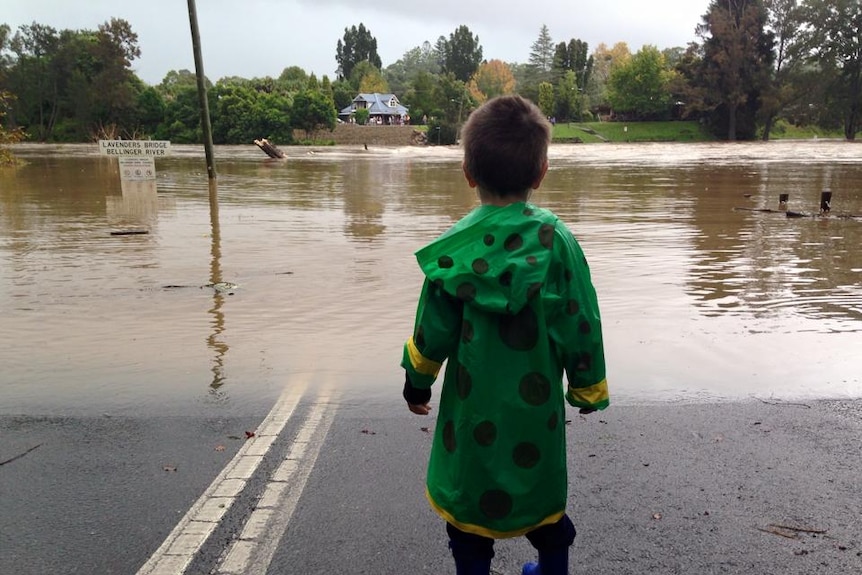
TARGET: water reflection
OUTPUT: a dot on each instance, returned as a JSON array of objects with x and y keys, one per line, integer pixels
[
  {"x": 214, "y": 340},
  {"x": 697, "y": 295},
  {"x": 761, "y": 263}
]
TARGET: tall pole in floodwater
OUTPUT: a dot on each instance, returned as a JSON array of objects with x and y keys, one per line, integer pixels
[{"x": 202, "y": 91}]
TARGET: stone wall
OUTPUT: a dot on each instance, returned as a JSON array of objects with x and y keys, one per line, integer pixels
[{"x": 353, "y": 134}]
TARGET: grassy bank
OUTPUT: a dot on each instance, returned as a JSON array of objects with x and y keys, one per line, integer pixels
[
  {"x": 631, "y": 132},
  {"x": 669, "y": 132}
]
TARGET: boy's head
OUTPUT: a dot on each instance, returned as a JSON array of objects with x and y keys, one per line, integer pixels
[{"x": 506, "y": 147}]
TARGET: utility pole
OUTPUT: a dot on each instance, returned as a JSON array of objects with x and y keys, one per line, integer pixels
[{"x": 202, "y": 91}]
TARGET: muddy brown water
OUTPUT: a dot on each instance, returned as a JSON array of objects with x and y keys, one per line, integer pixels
[{"x": 703, "y": 297}]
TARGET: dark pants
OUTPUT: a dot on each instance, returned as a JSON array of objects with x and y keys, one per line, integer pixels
[{"x": 471, "y": 547}]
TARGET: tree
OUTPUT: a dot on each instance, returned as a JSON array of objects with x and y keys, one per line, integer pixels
[
  {"x": 31, "y": 80},
  {"x": 358, "y": 45},
  {"x": 113, "y": 85},
  {"x": 182, "y": 122},
  {"x": 603, "y": 59},
  {"x": 737, "y": 59},
  {"x": 367, "y": 78},
  {"x": 293, "y": 79},
  {"x": 541, "y": 59},
  {"x": 461, "y": 54},
  {"x": 783, "y": 22},
  {"x": 567, "y": 99},
  {"x": 311, "y": 112},
  {"x": 574, "y": 57},
  {"x": 832, "y": 38},
  {"x": 420, "y": 96},
  {"x": 546, "y": 98},
  {"x": 7, "y": 136},
  {"x": 493, "y": 78},
  {"x": 639, "y": 85},
  {"x": 402, "y": 73},
  {"x": 342, "y": 94},
  {"x": 5, "y": 57},
  {"x": 246, "y": 110}
]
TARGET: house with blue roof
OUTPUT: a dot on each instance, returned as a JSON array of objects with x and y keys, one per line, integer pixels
[{"x": 382, "y": 109}]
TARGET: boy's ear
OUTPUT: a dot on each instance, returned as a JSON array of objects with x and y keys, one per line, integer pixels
[
  {"x": 541, "y": 177},
  {"x": 469, "y": 179}
]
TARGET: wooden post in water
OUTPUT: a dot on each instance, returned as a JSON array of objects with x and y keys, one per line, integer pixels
[
  {"x": 202, "y": 91},
  {"x": 782, "y": 201},
  {"x": 825, "y": 202}
]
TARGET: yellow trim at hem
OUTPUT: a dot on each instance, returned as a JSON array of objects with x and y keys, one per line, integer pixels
[
  {"x": 594, "y": 394},
  {"x": 421, "y": 363},
  {"x": 484, "y": 531}
]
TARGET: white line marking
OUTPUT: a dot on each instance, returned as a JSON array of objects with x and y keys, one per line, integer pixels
[
  {"x": 175, "y": 554},
  {"x": 252, "y": 553}
]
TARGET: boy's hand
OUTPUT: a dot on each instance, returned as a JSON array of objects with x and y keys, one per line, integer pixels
[{"x": 419, "y": 409}]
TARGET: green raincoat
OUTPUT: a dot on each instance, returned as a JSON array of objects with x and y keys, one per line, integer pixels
[{"x": 508, "y": 301}]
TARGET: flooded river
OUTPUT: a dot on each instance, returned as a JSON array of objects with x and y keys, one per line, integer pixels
[{"x": 703, "y": 296}]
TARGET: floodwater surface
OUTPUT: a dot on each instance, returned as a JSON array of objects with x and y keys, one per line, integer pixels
[{"x": 704, "y": 297}]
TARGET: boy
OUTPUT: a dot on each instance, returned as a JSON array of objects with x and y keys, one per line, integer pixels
[{"x": 508, "y": 301}]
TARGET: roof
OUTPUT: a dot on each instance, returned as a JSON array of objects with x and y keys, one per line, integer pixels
[{"x": 377, "y": 105}]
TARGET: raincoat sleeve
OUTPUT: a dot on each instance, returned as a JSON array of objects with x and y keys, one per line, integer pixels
[
  {"x": 435, "y": 335},
  {"x": 576, "y": 326}
]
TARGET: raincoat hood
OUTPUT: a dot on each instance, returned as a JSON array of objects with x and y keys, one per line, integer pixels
[{"x": 495, "y": 258}]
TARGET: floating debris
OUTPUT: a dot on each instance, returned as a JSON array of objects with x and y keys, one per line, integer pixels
[{"x": 129, "y": 232}]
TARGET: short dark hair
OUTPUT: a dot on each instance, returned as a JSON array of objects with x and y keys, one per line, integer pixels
[{"x": 506, "y": 145}]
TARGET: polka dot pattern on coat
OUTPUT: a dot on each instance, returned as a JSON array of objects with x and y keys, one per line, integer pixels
[
  {"x": 517, "y": 332},
  {"x": 495, "y": 504}
]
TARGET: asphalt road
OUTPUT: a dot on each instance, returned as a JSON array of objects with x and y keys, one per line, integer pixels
[{"x": 752, "y": 487}]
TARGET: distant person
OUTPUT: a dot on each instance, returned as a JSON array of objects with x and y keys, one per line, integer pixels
[{"x": 508, "y": 301}]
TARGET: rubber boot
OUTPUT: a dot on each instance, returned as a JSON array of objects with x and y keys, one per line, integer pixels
[{"x": 554, "y": 562}]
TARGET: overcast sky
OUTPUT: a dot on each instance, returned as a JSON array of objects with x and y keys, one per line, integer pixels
[{"x": 255, "y": 38}]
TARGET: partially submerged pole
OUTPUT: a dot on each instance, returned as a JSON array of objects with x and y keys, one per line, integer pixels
[
  {"x": 202, "y": 91},
  {"x": 825, "y": 202}
]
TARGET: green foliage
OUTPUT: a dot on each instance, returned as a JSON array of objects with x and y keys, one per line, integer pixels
[
  {"x": 368, "y": 79},
  {"x": 360, "y": 116},
  {"x": 7, "y": 136},
  {"x": 419, "y": 98},
  {"x": 293, "y": 79},
  {"x": 567, "y": 99},
  {"x": 461, "y": 54},
  {"x": 311, "y": 112},
  {"x": 183, "y": 117},
  {"x": 541, "y": 57},
  {"x": 358, "y": 45},
  {"x": 546, "y": 98},
  {"x": 831, "y": 39},
  {"x": 639, "y": 86},
  {"x": 342, "y": 94},
  {"x": 243, "y": 114},
  {"x": 574, "y": 57},
  {"x": 442, "y": 133},
  {"x": 80, "y": 79},
  {"x": 762, "y": 65},
  {"x": 736, "y": 65},
  {"x": 451, "y": 100},
  {"x": 150, "y": 110},
  {"x": 403, "y": 73}
]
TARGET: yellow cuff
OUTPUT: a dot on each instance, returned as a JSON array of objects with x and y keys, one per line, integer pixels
[
  {"x": 420, "y": 363},
  {"x": 594, "y": 395}
]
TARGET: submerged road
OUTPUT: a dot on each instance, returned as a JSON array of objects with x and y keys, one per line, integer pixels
[{"x": 328, "y": 485}]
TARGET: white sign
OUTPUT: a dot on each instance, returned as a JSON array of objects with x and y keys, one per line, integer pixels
[
  {"x": 137, "y": 168},
  {"x": 124, "y": 148}
]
